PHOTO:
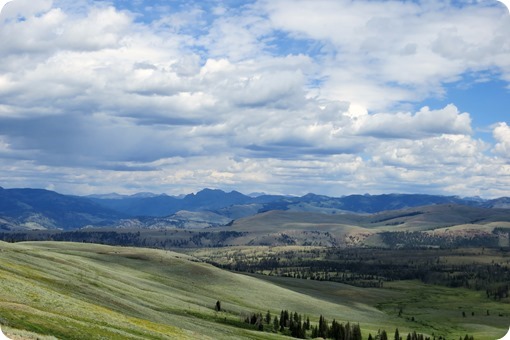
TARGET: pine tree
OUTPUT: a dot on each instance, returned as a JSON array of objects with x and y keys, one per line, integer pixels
[
  {"x": 323, "y": 327},
  {"x": 356, "y": 332},
  {"x": 315, "y": 332},
  {"x": 282, "y": 321},
  {"x": 334, "y": 330},
  {"x": 292, "y": 328},
  {"x": 286, "y": 318},
  {"x": 347, "y": 331},
  {"x": 397, "y": 335},
  {"x": 276, "y": 324},
  {"x": 268, "y": 317},
  {"x": 307, "y": 323}
]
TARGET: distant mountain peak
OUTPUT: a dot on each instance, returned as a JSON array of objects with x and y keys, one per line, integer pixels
[
  {"x": 146, "y": 195},
  {"x": 218, "y": 192},
  {"x": 70, "y": 212},
  {"x": 256, "y": 194},
  {"x": 208, "y": 191},
  {"x": 111, "y": 196},
  {"x": 312, "y": 195}
]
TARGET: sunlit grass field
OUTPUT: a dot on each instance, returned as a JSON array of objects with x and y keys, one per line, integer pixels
[{"x": 87, "y": 291}]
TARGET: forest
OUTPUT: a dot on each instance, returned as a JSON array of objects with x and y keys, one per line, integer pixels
[{"x": 481, "y": 269}]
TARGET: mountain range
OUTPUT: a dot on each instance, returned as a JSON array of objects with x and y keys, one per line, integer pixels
[{"x": 24, "y": 209}]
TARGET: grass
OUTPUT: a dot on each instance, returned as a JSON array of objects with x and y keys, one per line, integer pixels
[
  {"x": 91, "y": 292},
  {"x": 427, "y": 309},
  {"x": 87, "y": 291}
]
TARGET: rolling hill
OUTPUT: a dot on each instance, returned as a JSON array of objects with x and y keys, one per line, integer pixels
[
  {"x": 85, "y": 291},
  {"x": 90, "y": 291},
  {"x": 28, "y": 209},
  {"x": 305, "y": 228}
]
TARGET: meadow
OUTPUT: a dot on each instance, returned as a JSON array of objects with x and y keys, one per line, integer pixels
[{"x": 88, "y": 291}]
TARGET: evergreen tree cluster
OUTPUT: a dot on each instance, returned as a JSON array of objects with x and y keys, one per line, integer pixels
[
  {"x": 373, "y": 267},
  {"x": 256, "y": 320},
  {"x": 336, "y": 331},
  {"x": 497, "y": 293},
  {"x": 295, "y": 325}
]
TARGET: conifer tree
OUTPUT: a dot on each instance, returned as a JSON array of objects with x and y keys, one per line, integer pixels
[
  {"x": 356, "y": 332},
  {"x": 282, "y": 321},
  {"x": 347, "y": 331},
  {"x": 323, "y": 327},
  {"x": 307, "y": 323},
  {"x": 286, "y": 318},
  {"x": 268, "y": 317},
  {"x": 315, "y": 332},
  {"x": 276, "y": 324}
]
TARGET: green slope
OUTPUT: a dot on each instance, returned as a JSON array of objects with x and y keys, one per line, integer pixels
[{"x": 86, "y": 291}]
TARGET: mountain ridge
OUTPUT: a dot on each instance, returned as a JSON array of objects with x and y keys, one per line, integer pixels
[
  {"x": 44, "y": 209},
  {"x": 22, "y": 207}
]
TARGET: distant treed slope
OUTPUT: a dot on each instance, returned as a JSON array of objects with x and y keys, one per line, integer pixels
[
  {"x": 298, "y": 228},
  {"x": 136, "y": 206},
  {"x": 37, "y": 208},
  {"x": 502, "y": 202},
  {"x": 164, "y": 205},
  {"x": 421, "y": 218},
  {"x": 238, "y": 205},
  {"x": 441, "y": 215},
  {"x": 443, "y": 226},
  {"x": 366, "y": 203}
]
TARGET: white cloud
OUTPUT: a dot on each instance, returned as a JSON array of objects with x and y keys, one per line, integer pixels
[
  {"x": 276, "y": 96},
  {"x": 382, "y": 52},
  {"x": 423, "y": 123},
  {"x": 501, "y": 134}
]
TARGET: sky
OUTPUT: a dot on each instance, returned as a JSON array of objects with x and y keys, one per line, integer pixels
[{"x": 333, "y": 97}]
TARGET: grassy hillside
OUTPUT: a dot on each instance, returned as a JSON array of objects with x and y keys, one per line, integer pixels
[
  {"x": 314, "y": 229},
  {"x": 411, "y": 219},
  {"x": 71, "y": 290},
  {"x": 86, "y": 291}
]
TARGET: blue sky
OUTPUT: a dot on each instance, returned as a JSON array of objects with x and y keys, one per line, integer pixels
[{"x": 327, "y": 96}]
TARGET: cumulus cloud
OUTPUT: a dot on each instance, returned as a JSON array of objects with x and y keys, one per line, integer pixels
[
  {"x": 377, "y": 53},
  {"x": 426, "y": 122},
  {"x": 501, "y": 134},
  {"x": 268, "y": 95}
]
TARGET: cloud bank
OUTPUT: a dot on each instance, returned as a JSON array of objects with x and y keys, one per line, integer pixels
[{"x": 272, "y": 96}]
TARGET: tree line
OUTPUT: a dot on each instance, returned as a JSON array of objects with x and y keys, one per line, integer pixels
[
  {"x": 297, "y": 326},
  {"x": 372, "y": 267}
]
